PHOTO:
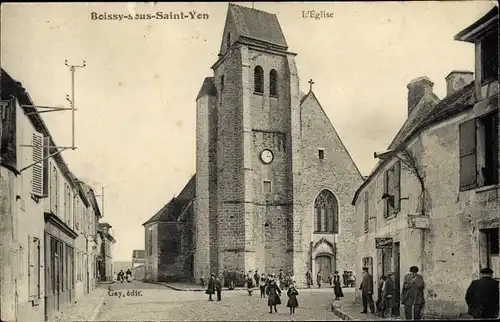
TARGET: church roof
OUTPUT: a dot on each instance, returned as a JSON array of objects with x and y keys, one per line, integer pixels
[
  {"x": 257, "y": 24},
  {"x": 453, "y": 104},
  {"x": 208, "y": 88},
  {"x": 175, "y": 207}
]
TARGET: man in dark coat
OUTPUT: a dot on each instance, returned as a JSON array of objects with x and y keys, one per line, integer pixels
[
  {"x": 482, "y": 296},
  {"x": 412, "y": 295},
  {"x": 366, "y": 288},
  {"x": 218, "y": 287},
  {"x": 389, "y": 295},
  {"x": 273, "y": 299},
  {"x": 211, "y": 287},
  {"x": 256, "y": 277}
]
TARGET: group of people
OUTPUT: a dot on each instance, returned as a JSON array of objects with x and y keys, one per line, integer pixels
[
  {"x": 482, "y": 296},
  {"x": 270, "y": 287},
  {"x": 121, "y": 276}
]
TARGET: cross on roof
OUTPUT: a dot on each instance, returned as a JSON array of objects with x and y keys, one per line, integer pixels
[{"x": 310, "y": 85}]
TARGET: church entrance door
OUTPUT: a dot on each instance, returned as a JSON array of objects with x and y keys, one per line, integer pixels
[{"x": 324, "y": 263}]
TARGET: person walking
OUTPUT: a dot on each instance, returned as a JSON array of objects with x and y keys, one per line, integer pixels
[
  {"x": 273, "y": 299},
  {"x": 319, "y": 278},
  {"x": 366, "y": 288},
  {"x": 412, "y": 294},
  {"x": 292, "y": 297},
  {"x": 309, "y": 279},
  {"x": 211, "y": 287},
  {"x": 337, "y": 286},
  {"x": 218, "y": 287},
  {"x": 482, "y": 296},
  {"x": 262, "y": 285},
  {"x": 249, "y": 283}
]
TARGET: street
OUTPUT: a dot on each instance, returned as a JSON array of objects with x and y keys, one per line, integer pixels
[{"x": 151, "y": 302}]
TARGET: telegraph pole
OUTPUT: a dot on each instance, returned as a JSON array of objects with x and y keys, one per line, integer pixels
[
  {"x": 71, "y": 100},
  {"x": 102, "y": 201}
]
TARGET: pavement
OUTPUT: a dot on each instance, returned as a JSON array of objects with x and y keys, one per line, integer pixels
[
  {"x": 87, "y": 307},
  {"x": 139, "y": 301}
]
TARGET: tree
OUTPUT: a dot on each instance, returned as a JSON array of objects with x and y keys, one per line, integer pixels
[{"x": 413, "y": 164}]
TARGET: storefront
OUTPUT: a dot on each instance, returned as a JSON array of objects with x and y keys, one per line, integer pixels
[{"x": 59, "y": 266}]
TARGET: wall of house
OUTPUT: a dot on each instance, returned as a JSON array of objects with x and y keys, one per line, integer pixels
[
  {"x": 450, "y": 249},
  {"x": 28, "y": 224},
  {"x": 394, "y": 225},
  {"x": 151, "y": 259}
]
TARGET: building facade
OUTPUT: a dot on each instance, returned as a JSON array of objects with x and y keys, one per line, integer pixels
[
  {"x": 39, "y": 218},
  {"x": 274, "y": 181},
  {"x": 432, "y": 200},
  {"x": 106, "y": 252},
  {"x": 138, "y": 257}
]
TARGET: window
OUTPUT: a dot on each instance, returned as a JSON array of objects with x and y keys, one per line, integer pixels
[
  {"x": 222, "y": 84},
  {"x": 368, "y": 262},
  {"x": 489, "y": 57},
  {"x": 367, "y": 211},
  {"x": 150, "y": 241},
  {"x": 321, "y": 154},
  {"x": 479, "y": 152},
  {"x": 54, "y": 191},
  {"x": 37, "y": 172},
  {"x": 392, "y": 192},
  {"x": 258, "y": 79},
  {"x": 273, "y": 83},
  {"x": 228, "y": 40},
  {"x": 76, "y": 213},
  {"x": 34, "y": 268},
  {"x": 267, "y": 186},
  {"x": 326, "y": 213}
]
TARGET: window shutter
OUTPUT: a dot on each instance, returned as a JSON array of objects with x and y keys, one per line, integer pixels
[
  {"x": 37, "y": 172},
  {"x": 367, "y": 211},
  {"x": 46, "y": 167},
  {"x": 56, "y": 189},
  {"x": 468, "y": 171},
  {"x": 31, "y": 269},
  {"x": 397, "y": 186},
  {"x": 385, "y": 202},
  {"x": 37, "y": 268}
]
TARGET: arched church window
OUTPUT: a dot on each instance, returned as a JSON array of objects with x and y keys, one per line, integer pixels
[
  {"x": 258, "y": 80},
  {"x": 273, "y": 83},
  {"x": 326, "y": 216}
]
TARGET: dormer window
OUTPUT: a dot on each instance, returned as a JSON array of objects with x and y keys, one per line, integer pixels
[
  {"x": 273, "y": 83},
  {"x": 489, "y": 58},
  {"x": 258, "y": 80}
]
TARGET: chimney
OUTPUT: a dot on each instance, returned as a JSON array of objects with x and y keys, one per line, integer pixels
[
  {"x": 458, "y": 79},
  {"x": 417, "y": 89}
]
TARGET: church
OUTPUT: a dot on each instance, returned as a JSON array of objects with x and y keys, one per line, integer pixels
[{"x": 274, "y": 182}]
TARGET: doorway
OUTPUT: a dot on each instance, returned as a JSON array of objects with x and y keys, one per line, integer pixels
[
  {"x": 490, "y": 250},
  {"x": 397, "y": 277},
  {"x": 324, "y": 263}
]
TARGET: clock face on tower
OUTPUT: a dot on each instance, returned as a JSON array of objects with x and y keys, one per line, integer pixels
[{"x": 267, "y": 156}]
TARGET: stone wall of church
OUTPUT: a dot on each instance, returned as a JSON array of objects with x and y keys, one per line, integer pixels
[
  {"x": 230, "y": 179},
  {"x": 204, "y": 159},
  {"x": 336, "y": 173}
]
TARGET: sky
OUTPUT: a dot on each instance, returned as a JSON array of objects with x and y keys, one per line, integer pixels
[{"x": 135, "y": 124}]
